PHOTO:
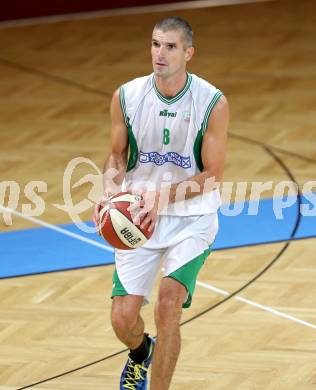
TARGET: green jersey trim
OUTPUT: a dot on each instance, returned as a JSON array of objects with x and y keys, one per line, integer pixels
[
  {"x": 133, "y": 148},
  {"x": 178, "y": 96},
  {"x": 197, "y": 147},
  {"x": 210, "y": 109},
  {"x": 123, "y": 105}
]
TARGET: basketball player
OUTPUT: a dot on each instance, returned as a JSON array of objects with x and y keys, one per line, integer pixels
[{"x": 174, "y": 125}]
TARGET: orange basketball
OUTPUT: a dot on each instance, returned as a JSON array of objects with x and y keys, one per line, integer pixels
[{"x": 116, "y": 225}]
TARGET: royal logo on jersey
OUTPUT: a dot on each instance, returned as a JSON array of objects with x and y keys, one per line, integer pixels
[
  {"x": 160, "y": 159},
  {"x": 167, "y": 114}
]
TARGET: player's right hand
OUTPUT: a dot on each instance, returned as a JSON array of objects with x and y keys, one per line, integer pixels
[{"x": 97, "y": 208}]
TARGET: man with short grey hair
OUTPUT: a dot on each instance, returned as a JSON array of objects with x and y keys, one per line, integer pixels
[{"x": 174, "y": 125}]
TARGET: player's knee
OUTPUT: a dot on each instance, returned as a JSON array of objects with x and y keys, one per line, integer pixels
[
  {"x": 123, "y": 320},
  {"x": 168, "y": 309}
]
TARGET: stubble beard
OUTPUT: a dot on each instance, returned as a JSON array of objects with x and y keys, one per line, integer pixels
[{"x": 163, "y": 73}]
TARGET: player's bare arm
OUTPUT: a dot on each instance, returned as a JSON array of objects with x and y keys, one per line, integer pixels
[
  {"x": 213, "y": 157},
  {"x": 117, "y": 159},
  {"x": 213, "y": 153}
]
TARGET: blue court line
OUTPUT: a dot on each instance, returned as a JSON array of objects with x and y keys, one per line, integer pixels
[{"x": 40, "y": 250}]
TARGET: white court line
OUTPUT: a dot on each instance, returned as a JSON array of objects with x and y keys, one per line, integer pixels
[
  {"x": 125, "y": 11},
  {"x": 57, "y": 229},
  {"x": 258, "y": 305},
  {"x": 202, "y": 284}
]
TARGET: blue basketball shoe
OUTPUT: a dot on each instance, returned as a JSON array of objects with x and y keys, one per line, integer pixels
[{"x": 134, "y": 376}]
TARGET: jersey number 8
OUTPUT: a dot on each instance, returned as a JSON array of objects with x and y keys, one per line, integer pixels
[{"x": 166, "y": 136}]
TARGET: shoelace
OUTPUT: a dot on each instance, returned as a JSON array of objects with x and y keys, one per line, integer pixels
[{"x": 133, "y": 374}]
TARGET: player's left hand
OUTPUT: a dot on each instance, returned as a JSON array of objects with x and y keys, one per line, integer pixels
[{"x": 145, "y": 211}]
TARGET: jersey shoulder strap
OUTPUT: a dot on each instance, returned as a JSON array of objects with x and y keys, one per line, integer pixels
[
  {"x": 204, "y": 96},
  {"x": 132, "y": 94}
]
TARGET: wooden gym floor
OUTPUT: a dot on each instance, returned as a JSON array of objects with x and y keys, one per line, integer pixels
[{"x": 55, "y": 89}]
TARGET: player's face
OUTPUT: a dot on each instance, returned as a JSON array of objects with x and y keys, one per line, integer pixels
[{"x": 169, "y": 53}]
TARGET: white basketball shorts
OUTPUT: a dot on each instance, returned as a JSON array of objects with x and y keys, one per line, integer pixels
[{"x": 179, "y": 244}]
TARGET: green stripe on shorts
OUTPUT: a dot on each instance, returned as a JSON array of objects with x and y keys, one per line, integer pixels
[
  {"x": 118, "y": 289},
  {"x": 187, "y": 275}
]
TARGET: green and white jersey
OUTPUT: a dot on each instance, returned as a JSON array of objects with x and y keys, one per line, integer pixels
[{"x": 165, "y": 138}]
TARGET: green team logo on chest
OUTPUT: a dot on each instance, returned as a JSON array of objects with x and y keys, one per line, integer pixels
[{"x": 168, "y": 114}]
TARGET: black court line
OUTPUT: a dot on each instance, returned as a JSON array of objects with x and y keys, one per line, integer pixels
[
  {"x": 212, "y": 307},
  {"x": 266, "y": 243},
  {"x": 54, "y": 78},
  {"x": 85, "y": 88},
  {"x": 267, "y": 148},
  {"x": 278, "y": 255},
  {"x": 276, "y": 148}
]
